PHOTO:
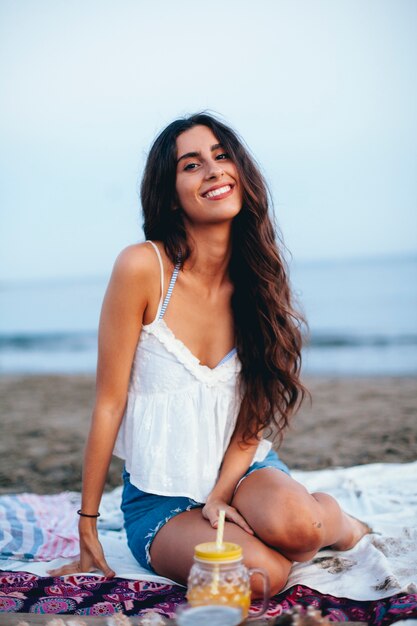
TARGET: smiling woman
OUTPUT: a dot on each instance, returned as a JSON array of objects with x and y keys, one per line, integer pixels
[{"x": 199, "y": 360}]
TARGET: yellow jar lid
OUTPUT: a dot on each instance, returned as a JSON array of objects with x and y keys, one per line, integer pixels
[{"x": 211, "y": 553}]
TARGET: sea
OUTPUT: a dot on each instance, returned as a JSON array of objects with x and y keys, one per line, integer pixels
[{"x": 362, "y": 317}]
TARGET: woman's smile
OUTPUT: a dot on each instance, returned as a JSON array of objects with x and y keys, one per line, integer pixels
[{"x": 218, "y": 192}]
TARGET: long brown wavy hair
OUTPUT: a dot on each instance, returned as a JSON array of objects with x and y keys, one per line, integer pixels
[{"x": 268, "y": 329}]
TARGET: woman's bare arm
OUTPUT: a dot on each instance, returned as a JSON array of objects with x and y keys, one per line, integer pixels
[
  {"x": 236, "y": 461},
  {"x": 133, "y": 278},
  {"x": 121, "y": 317}
]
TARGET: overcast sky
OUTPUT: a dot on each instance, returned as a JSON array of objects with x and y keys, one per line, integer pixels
[{"x": 324, "y": 93}]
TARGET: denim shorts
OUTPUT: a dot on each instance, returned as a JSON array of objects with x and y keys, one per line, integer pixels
[{"x": 146, "y": 513}]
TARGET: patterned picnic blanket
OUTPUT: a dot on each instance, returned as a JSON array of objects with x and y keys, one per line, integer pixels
[
  {"x": 96, "y": 596},
  {"x": 375, "y": 582}
]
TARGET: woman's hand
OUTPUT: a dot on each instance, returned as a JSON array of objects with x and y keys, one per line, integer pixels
[
  {"x": 91, "y": 558},
  {"x": 212, "y": 509}
]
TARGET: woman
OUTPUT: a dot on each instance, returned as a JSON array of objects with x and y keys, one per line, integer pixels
[{"x": 189, "y": 421}]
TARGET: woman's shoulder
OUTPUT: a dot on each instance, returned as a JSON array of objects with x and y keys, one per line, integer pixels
[{"x": 137, "y": 262}]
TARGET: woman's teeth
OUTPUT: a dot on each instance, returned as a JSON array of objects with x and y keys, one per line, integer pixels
[{"x": 217, "y": 192}]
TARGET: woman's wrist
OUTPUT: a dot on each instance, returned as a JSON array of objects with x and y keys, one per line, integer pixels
[
  {"x": 220, "y": 494},
  {"x": 87, "y": 526}
]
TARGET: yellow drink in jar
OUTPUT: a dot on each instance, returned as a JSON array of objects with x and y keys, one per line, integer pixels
[
  {"x": 219, "y": 577},
  {"x": 227, "y": 595}
]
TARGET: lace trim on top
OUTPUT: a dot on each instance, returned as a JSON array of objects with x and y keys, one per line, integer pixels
[{"x": 221, "y": 373}]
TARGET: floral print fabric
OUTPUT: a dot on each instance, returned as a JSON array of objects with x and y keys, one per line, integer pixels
[{"x": 96, "y": 596}]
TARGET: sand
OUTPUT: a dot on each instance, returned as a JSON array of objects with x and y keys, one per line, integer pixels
[{"x": 351, "y": 421}]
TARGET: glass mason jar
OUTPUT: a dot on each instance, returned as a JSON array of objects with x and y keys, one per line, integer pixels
[{"x": 219, "y": 577}]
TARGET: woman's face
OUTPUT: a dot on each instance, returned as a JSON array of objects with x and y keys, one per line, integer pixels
[{"x": 207, "y": 183}]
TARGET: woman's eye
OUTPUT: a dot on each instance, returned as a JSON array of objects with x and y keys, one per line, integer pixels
[
  {"x": 190, "y": 166},
  {"x": 223, "y": 155}
]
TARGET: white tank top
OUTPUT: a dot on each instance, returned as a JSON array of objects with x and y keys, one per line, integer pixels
[{"x": 180, "y": 415}]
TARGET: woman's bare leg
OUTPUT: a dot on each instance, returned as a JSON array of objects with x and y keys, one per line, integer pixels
[
  {"x": 285, "y": 516},
  {"x": 289, "y": 523},
  {"x": 173, "y": 548}
]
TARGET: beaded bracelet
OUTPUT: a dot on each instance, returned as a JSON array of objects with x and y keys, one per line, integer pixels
[{"x": 86, "y": 514}]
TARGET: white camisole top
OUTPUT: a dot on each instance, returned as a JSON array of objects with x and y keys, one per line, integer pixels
[{"x": 180, "y": 415}]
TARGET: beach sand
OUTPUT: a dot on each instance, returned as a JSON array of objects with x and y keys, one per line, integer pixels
[{"x": 351, "y": 421}]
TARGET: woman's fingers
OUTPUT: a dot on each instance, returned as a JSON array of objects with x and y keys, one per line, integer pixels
[
  {"x": 211, "y": 513},
  {"x": 70, "y": 568},
  {"x": 233, "y": 515},
  {"x": 96, "y": 560},
  {"x": 105, "y": 568},
  {"x": 86, "y": 563}
]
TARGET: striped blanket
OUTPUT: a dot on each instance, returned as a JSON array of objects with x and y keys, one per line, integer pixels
[
  {"x": 43, "y": 528},
  {"x": 38, "y": 528}
]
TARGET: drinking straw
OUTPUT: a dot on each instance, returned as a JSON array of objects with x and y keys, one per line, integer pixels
[
  {"x": 219, "y": 546},
  {"x": 220, "y": 530}
]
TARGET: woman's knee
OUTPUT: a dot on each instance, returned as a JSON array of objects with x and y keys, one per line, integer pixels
[
  {"x": 298, "y": 531},
  {"x": 305, "y": 537},
  {"x": 283, "y": 514}
]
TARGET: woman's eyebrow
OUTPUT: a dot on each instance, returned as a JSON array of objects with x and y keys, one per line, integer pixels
[{"x": 188, "y": 155}]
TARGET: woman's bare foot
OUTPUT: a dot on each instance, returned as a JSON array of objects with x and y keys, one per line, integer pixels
[{"x": 354, "y": 530}]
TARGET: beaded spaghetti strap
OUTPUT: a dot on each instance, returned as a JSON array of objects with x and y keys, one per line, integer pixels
[
  {"x": 158, "y": 254},
  {"x": 170, "y": 288}
]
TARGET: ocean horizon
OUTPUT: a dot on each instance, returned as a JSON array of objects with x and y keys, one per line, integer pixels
[{"x": 362, "y": 317}]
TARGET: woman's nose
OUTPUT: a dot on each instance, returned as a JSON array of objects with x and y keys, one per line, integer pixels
[{"x": 214, "y": 170}]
